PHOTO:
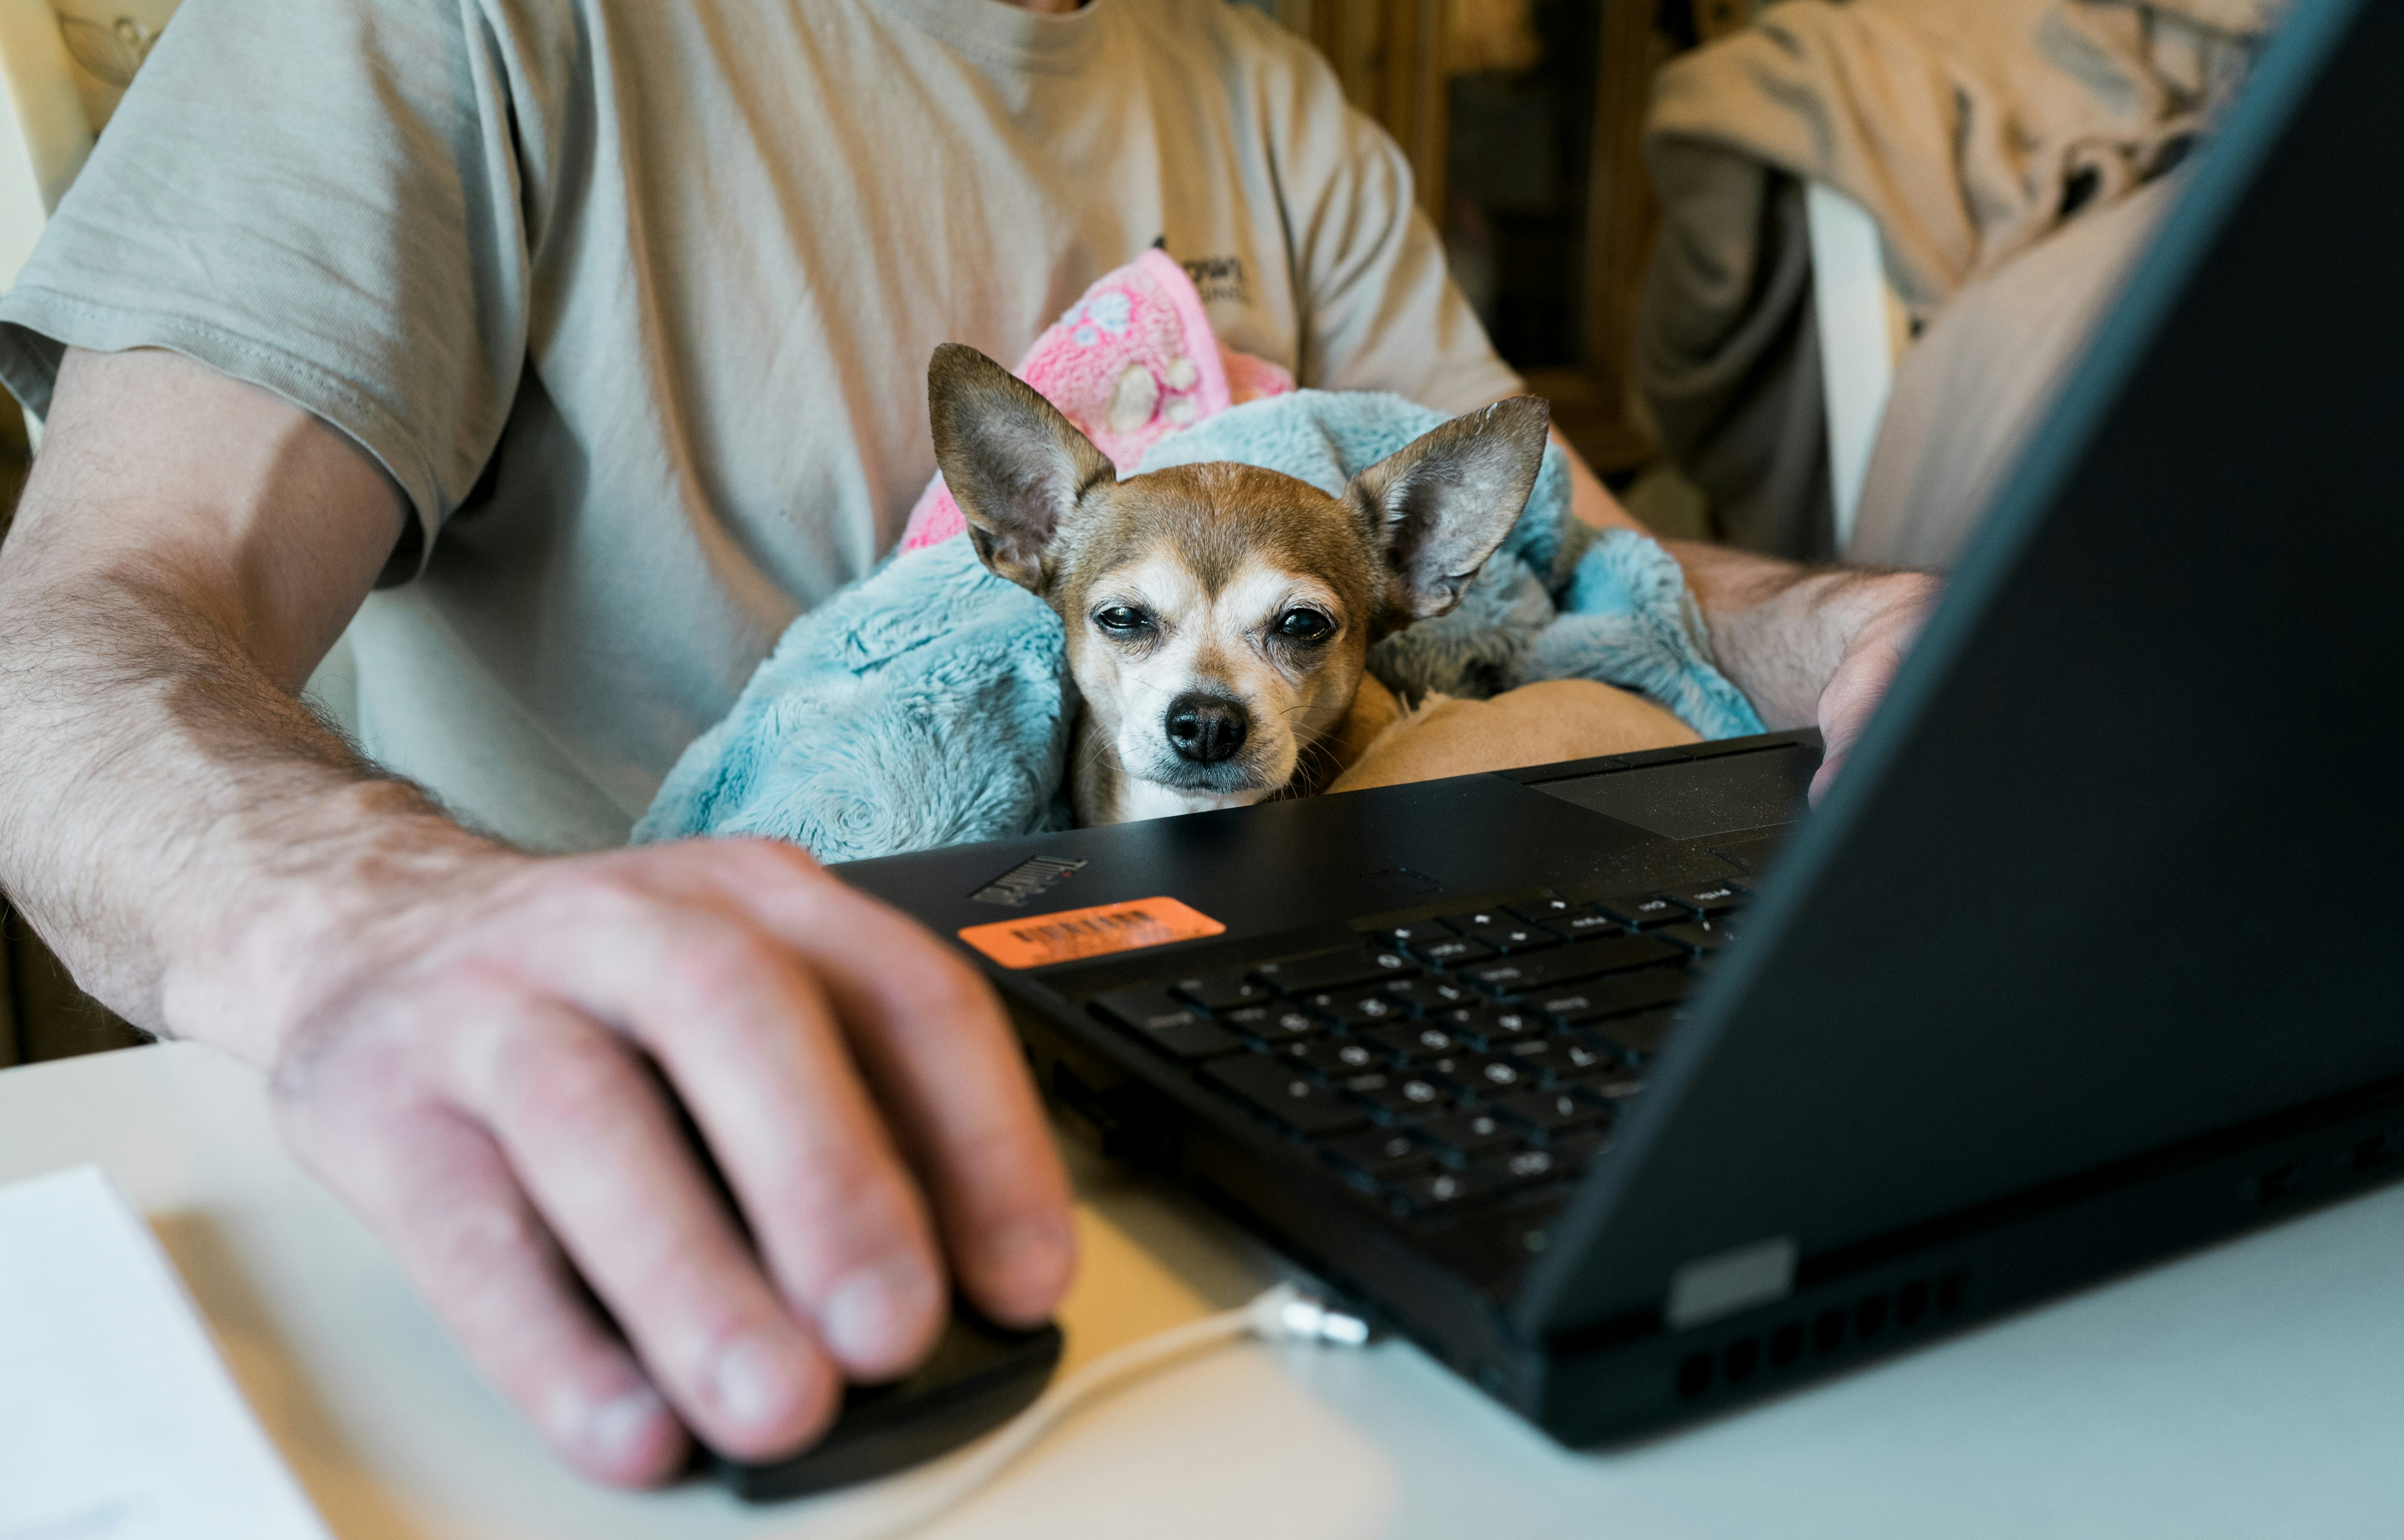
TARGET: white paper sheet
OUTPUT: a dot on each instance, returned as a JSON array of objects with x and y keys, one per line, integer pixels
[{"x": 118, "y": 1420}]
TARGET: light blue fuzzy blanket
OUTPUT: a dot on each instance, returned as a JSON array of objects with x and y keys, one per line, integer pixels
[{"x": 929, "y": 704}]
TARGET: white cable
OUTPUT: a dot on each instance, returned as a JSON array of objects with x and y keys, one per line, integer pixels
[{"x": 1283, "y": 1313}]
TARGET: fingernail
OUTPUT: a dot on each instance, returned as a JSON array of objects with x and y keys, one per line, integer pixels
[
  {"x": 607, "y": 1433},
  {"x": 617, "y": 1428},
  {"x": 877, "y": 1312},
  {"x": 749, "y": 1389},
  {"x": 1031, "y": 1259}
]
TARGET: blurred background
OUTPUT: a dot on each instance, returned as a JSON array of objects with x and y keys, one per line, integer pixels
[{"x": 1524, "y": 121}]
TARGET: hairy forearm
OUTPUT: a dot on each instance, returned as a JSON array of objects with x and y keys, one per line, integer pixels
[
  {"x": 180, "y": 829},
  {"x": 200, "y": 850}
]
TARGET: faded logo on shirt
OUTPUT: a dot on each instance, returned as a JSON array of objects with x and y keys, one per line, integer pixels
[{"x": 1219, "y": 278}]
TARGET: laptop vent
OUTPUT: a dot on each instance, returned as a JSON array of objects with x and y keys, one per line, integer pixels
[{"x": 1836, "y": 1329}]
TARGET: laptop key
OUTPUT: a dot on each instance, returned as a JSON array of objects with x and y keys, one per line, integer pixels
[
  {"x": 1702, "y": 936},
  {"x": 1413, "y": 934},
  {"x": 1503, "y": 933},
  {"x": 1638, "y": 1036},
  {"x": 1308, "y": 975},
  {"x": 1605, "y": 1081},
  {"x": 1221, "y": 991},
  {"x": 1521, "y": 1168},
  {"x": 1415, "y": 1040},
  {"x": 1459, "y": 952},
  {"x": 1274, "y": 1024},
  {"x": 1580, "y": 1059},
  {"x": 1494, "y": 1074},
  {"x": 1359, "y": 1007},
  {"x": 1472, "y": 1134},
  {"x": 1167, "y": 1024},
  {"x": 1643, "y": 911},
  {"x": 1593, "y": 1000},
  {"x": 1553, "y": 1112},
  {"x": 1708, "y": 898},
  {"x": 1440, "y": 1190},
  {"x": 1384, "y": 1157},
  {"x": 1399, "y": 1095},
  {"x": 1543, "y": 911},
  {"x": 1270, "y": 1086},
  {"x": 1620, "y": 954},
  {"x": 1489, "y": 1026},
  {"x": 1334, "y": 1057},
  {"x": 1585, "y": 925},
  {"x": 1430, "y": 993},
  {"x": 1537, "y": 1056}
]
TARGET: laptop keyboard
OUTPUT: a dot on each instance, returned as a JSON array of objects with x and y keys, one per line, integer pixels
[{"x": 1447, "y": 1062}]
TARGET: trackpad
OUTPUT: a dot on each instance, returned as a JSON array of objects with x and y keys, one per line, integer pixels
[{"x": 1699, "y": 798}]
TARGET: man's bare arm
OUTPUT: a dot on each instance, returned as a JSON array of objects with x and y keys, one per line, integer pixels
[
  {"x": 469, "y": 1043},
  {"x": 148, "y": 670},
  {"x": 1807, "y": 645}
]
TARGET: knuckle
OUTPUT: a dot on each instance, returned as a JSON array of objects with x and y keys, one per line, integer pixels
[
  {"x": 845, "y": 1200},
  {"x": 940, "y": 991},
  {"x": 593, "y": 892},
  {"x": 725, "y": 968},
  {"x": 681, "y": 1295},
  {"x": 578, "y": 1080},
  {"x": 473, "y": 1242}
]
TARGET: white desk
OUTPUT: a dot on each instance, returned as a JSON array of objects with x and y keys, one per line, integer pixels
[{"x": 2255, "y": 1390}]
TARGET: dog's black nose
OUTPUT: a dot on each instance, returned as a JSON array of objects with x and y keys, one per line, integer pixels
[{"x": 1206, "y": 729}]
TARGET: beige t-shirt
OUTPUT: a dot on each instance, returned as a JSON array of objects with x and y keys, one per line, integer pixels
[{"x": 633, "y": 297}]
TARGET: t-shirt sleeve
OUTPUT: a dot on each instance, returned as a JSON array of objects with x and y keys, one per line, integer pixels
[
  {"x": 324, "y": 200},
  {"x": 1380, "y": 310}
]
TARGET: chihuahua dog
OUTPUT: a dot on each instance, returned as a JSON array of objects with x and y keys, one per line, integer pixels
[{"x": 1219, "y": 616}]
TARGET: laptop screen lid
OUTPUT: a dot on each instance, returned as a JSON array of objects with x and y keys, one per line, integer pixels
[{"x": 2116, "y": 864}]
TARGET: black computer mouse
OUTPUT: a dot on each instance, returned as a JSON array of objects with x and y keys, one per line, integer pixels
[{"x": 979, "y": 1376}]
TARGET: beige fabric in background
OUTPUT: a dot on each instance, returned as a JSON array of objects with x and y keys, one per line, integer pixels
[
  {"x": 1961, "y": 128},
  {"x": 1976, "y": 384}
]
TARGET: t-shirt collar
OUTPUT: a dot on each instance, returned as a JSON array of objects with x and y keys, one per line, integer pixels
[{"x": 1004, "y": 33}]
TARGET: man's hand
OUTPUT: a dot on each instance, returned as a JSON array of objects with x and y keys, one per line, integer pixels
[
  {"x": 494, "y": 1085},
  {"x": 1866, "y": 666},
  {"x": 1807, "y": 645},
  {"x": 486, "y": 1052}
]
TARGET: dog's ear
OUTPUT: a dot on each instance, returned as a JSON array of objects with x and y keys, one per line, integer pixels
[
  {"x": 1015, "y": 464},
  {"x": 1436, "y": 507}
]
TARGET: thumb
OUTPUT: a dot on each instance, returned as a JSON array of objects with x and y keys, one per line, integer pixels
[{"x": 1848, "y": 704}]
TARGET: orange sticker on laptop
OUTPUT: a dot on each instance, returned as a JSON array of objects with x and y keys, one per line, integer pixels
[{"x": 1070, "y": 936}]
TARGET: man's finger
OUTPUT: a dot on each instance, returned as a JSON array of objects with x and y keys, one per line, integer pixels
[
  {"x": 437, "y": 1187},
  {"x": 933, "y": 1042},
  {"x": 592, "y": 1137},
  {"x": 1850, "y": 699}
]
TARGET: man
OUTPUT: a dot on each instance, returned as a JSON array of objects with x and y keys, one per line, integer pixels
[{"x": 605, "y": 323}]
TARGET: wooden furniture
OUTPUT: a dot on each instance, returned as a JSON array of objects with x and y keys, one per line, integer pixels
[{"x": 1399, "y": 61}]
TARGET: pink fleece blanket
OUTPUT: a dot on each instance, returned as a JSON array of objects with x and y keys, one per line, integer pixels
[{"x": 1132, "y": 361}]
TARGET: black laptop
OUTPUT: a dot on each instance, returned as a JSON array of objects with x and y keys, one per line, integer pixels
[{"x": 1631, "y": 1091}]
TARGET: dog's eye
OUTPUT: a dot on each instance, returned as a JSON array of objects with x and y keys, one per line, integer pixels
[
  {"x": 1305, "y": 625},
  {"x": 1121, "y": 619}
]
